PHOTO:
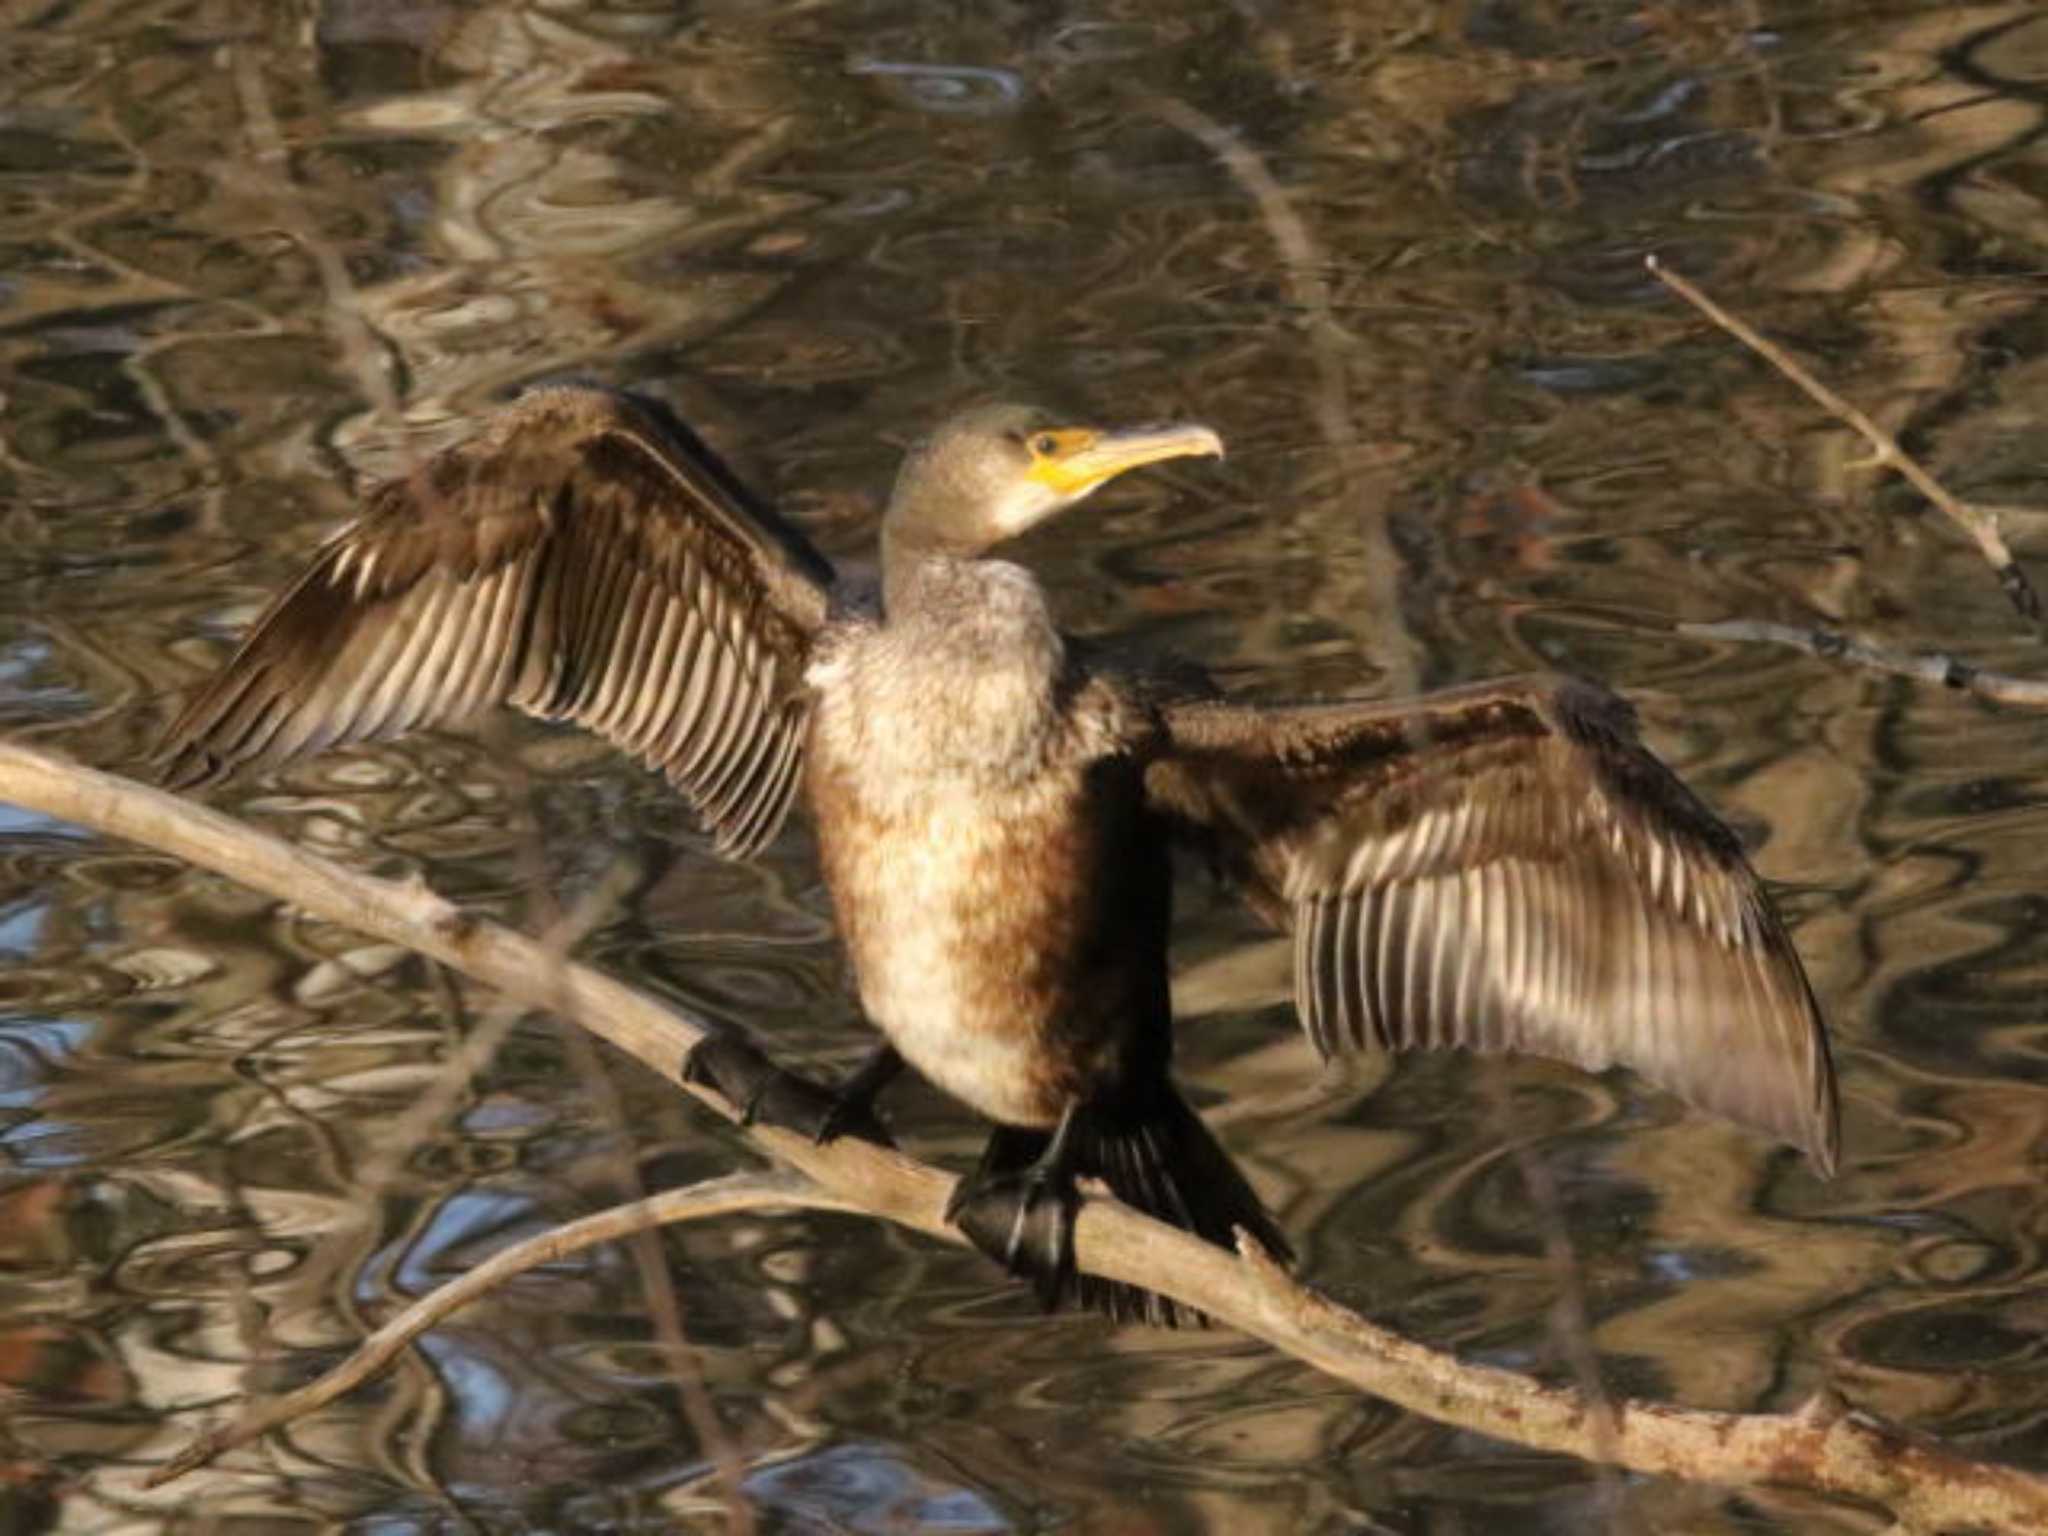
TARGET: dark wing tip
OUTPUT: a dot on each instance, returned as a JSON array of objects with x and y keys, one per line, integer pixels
[
  {"x": 1593, "y": 714},
  {"x": 1824, "y": 1146},
  {"x": 1603, "y": 725},
  {"x": 1822, "y": 1142},
  {"x": 1794, "y": 1094}
]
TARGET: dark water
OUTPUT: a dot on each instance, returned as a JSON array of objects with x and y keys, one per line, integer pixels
[{"x": 250, "y": 256}]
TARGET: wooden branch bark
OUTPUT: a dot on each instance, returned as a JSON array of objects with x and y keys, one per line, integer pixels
[{"x": 1925, "y": 1487}]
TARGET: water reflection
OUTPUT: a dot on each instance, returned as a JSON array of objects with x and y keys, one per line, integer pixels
[
  {"x": 812, "y": 230},
  {"x": 953, "y": 90}
]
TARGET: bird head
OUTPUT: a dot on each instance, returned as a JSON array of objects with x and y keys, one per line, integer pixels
[{"x": 990, "y": 472}]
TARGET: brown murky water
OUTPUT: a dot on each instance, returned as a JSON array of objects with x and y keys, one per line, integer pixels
[{"x": 250, "y": 255}]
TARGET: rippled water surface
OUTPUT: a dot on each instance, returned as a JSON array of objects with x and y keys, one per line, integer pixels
[{"x": 253, "y": 256}]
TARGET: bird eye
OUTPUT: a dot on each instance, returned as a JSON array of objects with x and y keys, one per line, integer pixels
[{"x": 1045, "y": 445}]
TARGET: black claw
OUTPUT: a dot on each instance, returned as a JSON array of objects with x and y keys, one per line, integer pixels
[
  {"x": 769, "y": 1095},
  {"x": 1025, "y": 1222},
  {"x": 728, "y": 1064},
  {"x": 846, "y": 1119}
]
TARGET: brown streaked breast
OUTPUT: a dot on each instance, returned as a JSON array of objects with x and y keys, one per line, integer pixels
[{"x": 1008, "y": 935}]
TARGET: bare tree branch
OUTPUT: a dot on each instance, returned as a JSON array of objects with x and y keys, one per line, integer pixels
[
  {"x": 1977, "y": 522},
  {"x": 1927, "y": 667},
  {"x": 715, "y": 1197},
  {"x": 1925, "y": 1487}
]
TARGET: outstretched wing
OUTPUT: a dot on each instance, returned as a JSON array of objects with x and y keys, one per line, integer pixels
[
  {"x": 584, "y": 558},
  {"x": 1506, "y": 867}
]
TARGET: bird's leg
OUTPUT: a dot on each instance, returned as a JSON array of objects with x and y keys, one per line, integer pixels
[
  {"x": 771, "y": 1095},
  {"x": 1021, "y": 1213}
]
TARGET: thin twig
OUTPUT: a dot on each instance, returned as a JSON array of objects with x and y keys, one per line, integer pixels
[
  {"x": 1925, "y": 1486},
  {"x": 1927, "y": 667},
  {"x": 1978, "y": 523},
  {"x": 715, "y": 1197}
]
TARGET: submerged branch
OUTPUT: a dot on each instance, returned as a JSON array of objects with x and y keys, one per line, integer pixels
[
  {"x": 1977, "y": 522},
  {"x": 1926, "y": 1487}
]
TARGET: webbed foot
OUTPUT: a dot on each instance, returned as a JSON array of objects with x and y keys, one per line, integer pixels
[
  {"x": 1025, "y": 1222},
  {"x": 770, "y": 1095}
]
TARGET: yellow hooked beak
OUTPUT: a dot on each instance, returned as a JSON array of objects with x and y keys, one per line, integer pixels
[{"x": 1073, "y": 461}]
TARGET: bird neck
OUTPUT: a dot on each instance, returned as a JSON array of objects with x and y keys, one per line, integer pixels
[
  {"x": 962, "y": 682},
  {"x": 945, "y": 599},
  {"x": 915, "y": 564}
]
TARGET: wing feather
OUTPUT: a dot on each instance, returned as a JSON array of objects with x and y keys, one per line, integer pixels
[
  {"x": 584, "y": 558},
  {"x": 1506, "y": 867},
  {"x": 639, "y": 730}
]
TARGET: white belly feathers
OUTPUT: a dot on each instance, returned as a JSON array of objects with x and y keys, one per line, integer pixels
[{"x": 941, "y": 920}]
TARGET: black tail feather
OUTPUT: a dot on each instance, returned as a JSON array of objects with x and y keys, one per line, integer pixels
[{"x": 1157, "y": 1156}]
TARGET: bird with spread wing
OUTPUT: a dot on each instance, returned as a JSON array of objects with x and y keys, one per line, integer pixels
[{"x": 1498, "y": 867}]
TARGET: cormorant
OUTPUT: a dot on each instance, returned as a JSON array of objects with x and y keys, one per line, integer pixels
[{"x": 1501, "y": 866}]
